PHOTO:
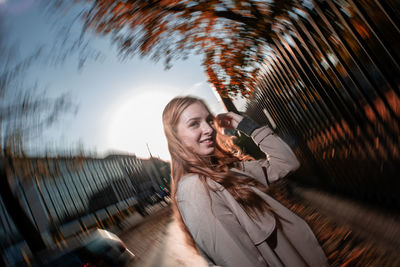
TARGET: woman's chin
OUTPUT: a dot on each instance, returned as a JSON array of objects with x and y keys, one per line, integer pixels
[{"x": 209, "y": 151}]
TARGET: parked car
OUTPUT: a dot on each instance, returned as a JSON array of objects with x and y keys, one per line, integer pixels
[
  {"x": 108, "y": 246},
  {"x": 101, "y": 249}
]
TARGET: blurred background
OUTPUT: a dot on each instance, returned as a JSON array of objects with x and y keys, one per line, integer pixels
[{"x": 83, "y": 85}]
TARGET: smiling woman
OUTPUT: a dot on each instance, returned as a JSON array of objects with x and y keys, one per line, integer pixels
[{"x": 136, "y": 121}]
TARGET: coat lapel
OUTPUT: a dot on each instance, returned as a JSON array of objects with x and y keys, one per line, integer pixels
[{"x": 258, "y": 230}]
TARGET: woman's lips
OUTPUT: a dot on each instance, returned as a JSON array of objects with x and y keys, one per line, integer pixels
[{"x": 207, "y": 142}]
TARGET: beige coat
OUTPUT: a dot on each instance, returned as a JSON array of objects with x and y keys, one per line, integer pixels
[{"x": 228, "y": 236}]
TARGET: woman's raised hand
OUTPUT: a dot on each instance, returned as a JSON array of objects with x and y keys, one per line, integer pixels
[{"x": 229, "y": 120}]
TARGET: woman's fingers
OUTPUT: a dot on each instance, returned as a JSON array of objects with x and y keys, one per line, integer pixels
[
  {"x": 229, "y": 120},
  {"x": 236, "y": 117},
  {"x": 223, "y": 120}
]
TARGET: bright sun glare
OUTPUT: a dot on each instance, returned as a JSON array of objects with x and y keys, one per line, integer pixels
[{"x": 136, "y": 121}]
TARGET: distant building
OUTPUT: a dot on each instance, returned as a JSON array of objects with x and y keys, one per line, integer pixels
[{"x": 71, "y": 194}]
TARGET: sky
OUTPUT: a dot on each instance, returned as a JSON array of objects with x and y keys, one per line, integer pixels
[{"x": 120, "y": 102}]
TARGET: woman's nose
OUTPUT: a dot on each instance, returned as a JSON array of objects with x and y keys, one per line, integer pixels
[{"x": 207, "y": 129}]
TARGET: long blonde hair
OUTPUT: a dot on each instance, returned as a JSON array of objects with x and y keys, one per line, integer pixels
[{"x": 215, "y": 167}]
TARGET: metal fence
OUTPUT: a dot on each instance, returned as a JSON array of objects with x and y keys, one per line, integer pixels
[{"x": 330, "y": 86}]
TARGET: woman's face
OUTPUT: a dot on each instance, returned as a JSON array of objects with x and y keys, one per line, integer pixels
[{"x": 195, "y": 129}]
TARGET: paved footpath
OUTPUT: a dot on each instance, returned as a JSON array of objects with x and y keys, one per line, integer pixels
[
  {"x": 157, "y": 241},
  {"x": 146, "y": 235}
]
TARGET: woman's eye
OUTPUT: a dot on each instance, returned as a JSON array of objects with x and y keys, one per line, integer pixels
[{"x": 193, "y": 124}]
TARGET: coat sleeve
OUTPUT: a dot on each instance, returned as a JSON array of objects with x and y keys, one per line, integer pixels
[
  {"x": 225, "y": 243},
  {"x": 280, "y": 158}
]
